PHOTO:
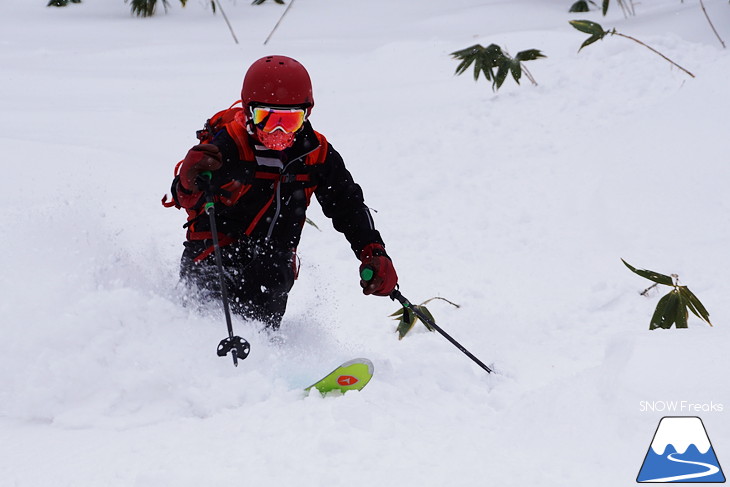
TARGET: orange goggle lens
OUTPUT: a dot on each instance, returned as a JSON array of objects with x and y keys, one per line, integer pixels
[{"x": 269, "y": 119}]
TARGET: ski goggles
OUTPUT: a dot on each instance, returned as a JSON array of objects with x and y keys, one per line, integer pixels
[{"x": 269, "y": 119}]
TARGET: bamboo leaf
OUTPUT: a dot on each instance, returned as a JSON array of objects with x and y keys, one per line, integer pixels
[
  {"x": 462, "y": 66},
  {"x": 579, "y": 6},
  {"x": 403, "y": 328},
  {"x": 516, "y": 68},
  {"x": 488, "y": 73},
  {"x": 468, "y": 56},
  {"x": 502, "y": 73},
  {"x": 682, "y": 315},
  {"x": 659, "y": 312},
  {"x": 590, "y": 41},
  {"x": 651, "y": 275},
  {"x": 670, "y": 316},
  {"x": 691, "y": 306},
  {"x": 477, "y": 68},
  {"x": 61, "y": 3},
  {"x": 143, "y": 8},
  {"x": 428, "y": 314},
  {"x": 469, "y": 51},
  {"x": 695, "y": 305},
  {"x": 397, "y": 314},
  {"x": 665, "y": 308},
  {"x": 307, "y": 220},
  {"x": 704, "y": 314},
  {"x": 588, "y": 27},
  {"x": 406, "y": 323},
  {"x": 605, "y": 7},
  {"x": 529, "y": 55}
]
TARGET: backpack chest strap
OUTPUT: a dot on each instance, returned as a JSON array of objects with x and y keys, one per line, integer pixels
[{"x": 283, "y": 178}]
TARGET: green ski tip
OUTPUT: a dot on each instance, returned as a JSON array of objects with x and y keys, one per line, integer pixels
[{"x": 350, "y": 376}]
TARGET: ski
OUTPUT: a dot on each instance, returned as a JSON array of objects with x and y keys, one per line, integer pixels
[{"x": 353, "y": 375}]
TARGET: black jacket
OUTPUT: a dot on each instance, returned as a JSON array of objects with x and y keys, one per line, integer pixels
[{"x": 269, "y": 204}]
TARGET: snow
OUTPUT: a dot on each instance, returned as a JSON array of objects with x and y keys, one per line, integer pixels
[{"x": 517, "y": 205}]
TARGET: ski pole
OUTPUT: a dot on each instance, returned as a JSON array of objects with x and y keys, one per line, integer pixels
[
  {"x": 368, "y": 273},
  {"x": 238, "y": 347}
]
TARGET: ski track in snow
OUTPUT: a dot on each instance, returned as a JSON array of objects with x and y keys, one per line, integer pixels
[{"x": 517, "y": 205}]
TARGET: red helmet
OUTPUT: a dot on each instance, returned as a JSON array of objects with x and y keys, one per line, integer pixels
[{"x": 277, "y": 81}]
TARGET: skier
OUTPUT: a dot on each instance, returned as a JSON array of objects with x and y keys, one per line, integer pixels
[{"x": 264, "y": 163}]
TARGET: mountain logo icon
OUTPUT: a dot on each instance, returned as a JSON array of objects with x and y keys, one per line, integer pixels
[{"x": 681, "y": 452}]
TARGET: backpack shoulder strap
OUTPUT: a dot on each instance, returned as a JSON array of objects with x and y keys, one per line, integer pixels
[
  {"x": 236, "y": 128},
  {"x": 232, "y": 120},
  {"x": 318, "y": 156}
]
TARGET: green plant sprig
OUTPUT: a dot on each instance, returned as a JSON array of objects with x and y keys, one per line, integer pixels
[
  {"x": 582, "y": 6},
  {"x": 674, "y": 307},
  {"x": 597, "y": 33},
  {"x": 147, "y": 8},
  {"x": 407, "y": 319},
  {"x": 307, "y": 220},
  {"x": 488, "y": 59},
  {"x": 61, "y": 3}
]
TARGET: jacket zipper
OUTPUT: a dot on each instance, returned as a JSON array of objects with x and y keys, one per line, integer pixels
[{"x": 277, "y": 211}]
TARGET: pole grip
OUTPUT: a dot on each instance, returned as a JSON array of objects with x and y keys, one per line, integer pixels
[{"x": 367, "y": 273}]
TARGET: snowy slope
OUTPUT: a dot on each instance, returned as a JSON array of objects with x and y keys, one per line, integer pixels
[{"x": 516, "y": 205}]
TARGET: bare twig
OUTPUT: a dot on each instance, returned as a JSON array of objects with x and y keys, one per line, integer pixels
[
  {"x": 624, "y": 8},
  {"x": 645, "y": 292},
  {"x": 528, "y": 74},
  {"x": 442, "y": 299},
  {"x": 702, "y": 4},
  {"x": 226, "y": 19},
  {"x": 631, "y": 6},
  {"x": 613, "y": 32},
  {"x": 291, "y": 2}
]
